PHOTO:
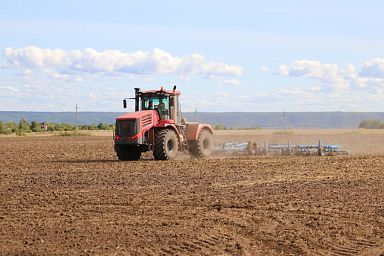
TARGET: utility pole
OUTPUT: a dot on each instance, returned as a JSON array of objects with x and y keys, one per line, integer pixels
[
  {"x": 353, "y": 122},
  {"x": 285, "y": 120},
  {"x": 77, "y": 116}
]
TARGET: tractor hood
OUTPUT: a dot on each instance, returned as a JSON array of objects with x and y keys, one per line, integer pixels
[
  {"x": 132, "y": 126},
  {"x": 139, "y": 114}
]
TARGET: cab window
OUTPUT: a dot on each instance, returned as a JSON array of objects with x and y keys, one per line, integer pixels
[{"x": 160, "y": 103}]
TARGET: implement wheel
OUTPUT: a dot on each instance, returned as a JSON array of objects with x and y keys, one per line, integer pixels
[{"x": 251, "y": 148}]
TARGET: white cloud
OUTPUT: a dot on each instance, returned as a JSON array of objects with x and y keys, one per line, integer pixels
[
  {"x": 224, "y": 80},
  {"x": 9, "y": 88},
  {"x": 231, "y": 82},
  {"x": 264, "y": 69},
  {"x": 221, "y": 94},
  {"x": 350, "y": 69},
  {"x": 283, "y": 70},
  {"x": 311, "y": 69},
  {"x": 335, "y": 78},
  {"x": 27, "y": 72},
  {"x": 315, "y": 88},
  {"x": 150, "y": 80},
  {"x": 335, "y": 88},
  {"x": 373, "y": 68},
  {"x": 63, "y": 76},
  {"x": 156, "y": 62},
  {"x": 290, "y": 98}
]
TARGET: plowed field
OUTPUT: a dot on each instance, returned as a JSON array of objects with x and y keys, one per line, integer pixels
[{"x": 68, "y": 195}]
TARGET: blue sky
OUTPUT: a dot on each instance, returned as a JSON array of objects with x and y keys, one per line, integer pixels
[{"x": 223, "y": 55}]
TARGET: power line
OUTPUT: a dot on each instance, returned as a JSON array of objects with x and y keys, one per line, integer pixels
[{"x": 77, "y": 116}]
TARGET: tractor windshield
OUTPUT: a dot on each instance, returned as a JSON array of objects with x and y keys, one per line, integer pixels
[{"x": 161, "y": 103}]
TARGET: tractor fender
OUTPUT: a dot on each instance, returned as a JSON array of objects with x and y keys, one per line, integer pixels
[
  {"x": 168, "y": 126},
  {"x": 174, "y": 128},
  {"x": 193, "y": 129}
]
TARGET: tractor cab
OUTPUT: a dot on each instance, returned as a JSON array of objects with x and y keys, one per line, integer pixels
[
  {"x": 159, "y": 103},
  {"x": 165, "y": 102}
]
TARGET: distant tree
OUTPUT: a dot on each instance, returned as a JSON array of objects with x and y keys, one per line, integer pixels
[
  {"x": 35, "y": 126},
  {"x": 61, "y": 127},
  {"x": 371, "y": 124},
  {"x": 7, "y": 128},
  {"x": 50, "y": 127},
  {"x": 10, "y": 125},
  {"x": 20, "y": 132},
  {"x": 69, "y": 127},
  {"x": 24, "y": 125},
  {"x": 101, "y": 126},
  {"x": 83, "y": 127},
  {"x": 92, "y": 127},
  {"x": 219, "y": 127}
]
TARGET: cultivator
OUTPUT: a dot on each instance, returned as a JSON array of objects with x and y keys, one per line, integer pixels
[{"x": 252, "y": 148}]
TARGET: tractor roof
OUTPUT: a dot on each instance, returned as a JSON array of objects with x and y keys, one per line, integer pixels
[{"x": 161, "y": 92}]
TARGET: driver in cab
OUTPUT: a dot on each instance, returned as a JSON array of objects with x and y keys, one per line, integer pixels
[{"x": 161, "y": 108}]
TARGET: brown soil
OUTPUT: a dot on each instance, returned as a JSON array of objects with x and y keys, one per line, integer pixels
[{"x": 63, "y": 195}]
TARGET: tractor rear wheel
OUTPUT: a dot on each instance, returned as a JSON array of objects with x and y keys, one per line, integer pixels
[
  {"x": 127, "y": 152},
  {"x": 166, "y": 145},
  {"x": 202, "y": 147}
]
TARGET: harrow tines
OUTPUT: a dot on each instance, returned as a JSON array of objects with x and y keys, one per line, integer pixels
[{"x": 252, "y": 148}]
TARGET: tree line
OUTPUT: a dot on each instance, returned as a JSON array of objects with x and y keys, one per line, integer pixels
[
  {"x": 366, "y": 124},
  {"x": 222, "y": 127},
  {"x": 372, "y": 124},
  {"x": 23, "y": 126}
]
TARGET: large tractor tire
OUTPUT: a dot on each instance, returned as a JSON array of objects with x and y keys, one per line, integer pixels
[
  {"x": 127, "y": 152},
  {"x": 202, "y": 147},
  {"x": 166, "y": 145}
]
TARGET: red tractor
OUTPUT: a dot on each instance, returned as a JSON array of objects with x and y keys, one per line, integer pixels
[{"x": 157, "y": 125}]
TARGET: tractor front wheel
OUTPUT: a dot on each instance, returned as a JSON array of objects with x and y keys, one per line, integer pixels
[
  {"x": 202, "y": 147},
  {"x": 127, "y": 152},
  {"x": 166, "y": 145}
]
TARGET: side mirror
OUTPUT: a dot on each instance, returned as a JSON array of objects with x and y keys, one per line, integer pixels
[
  {"x": 172, "y": 101},
  {"x": 125, "y": 103}
]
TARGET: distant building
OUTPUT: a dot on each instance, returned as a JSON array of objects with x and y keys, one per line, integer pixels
[{"x": 43, "y": 126}]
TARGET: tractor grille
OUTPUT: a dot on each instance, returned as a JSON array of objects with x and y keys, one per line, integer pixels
[
  {"x": 126, "y": 128},
  {"x": 147, "y": 120}
]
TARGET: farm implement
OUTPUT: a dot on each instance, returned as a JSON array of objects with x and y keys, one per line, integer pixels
[{"x": 252, "y": 148}]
